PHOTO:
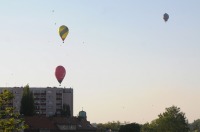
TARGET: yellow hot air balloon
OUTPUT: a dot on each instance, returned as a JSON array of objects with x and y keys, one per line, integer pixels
[{"x": 63, "y": 32}]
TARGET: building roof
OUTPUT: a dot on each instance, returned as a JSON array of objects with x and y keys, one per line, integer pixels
[
  {"x": 35, "y": 122},
  {"x": 55, "y": 123}
]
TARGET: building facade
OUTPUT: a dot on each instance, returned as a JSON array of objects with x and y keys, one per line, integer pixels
[{"x": 48, "y": 101}]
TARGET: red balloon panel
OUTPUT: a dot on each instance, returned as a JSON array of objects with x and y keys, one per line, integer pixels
[{"x": 60, "y": 73}]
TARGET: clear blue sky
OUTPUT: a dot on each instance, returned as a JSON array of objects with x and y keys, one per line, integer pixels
[{"x": 123, "y": 61}]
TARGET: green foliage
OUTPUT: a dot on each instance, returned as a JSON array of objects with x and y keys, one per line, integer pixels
[
  {"x": 195, "y": 126},
  {"x": 9, "y": 120},
  {"x": 133, "y": 127},
  {"x": 148, "y": 128},
  {"x": 114, "y": 126},
  {"x": 172, "y": 120},
  {"x": 66, "y": 110},
  {"x": 27, "y": 102}
]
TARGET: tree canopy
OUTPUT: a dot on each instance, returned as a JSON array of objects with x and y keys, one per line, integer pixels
[
  {"x": 195, "y": 126},
  {"x": 172, "y": 120},
  {"x": 133, "y": 127},
  {"x": 66, "y": 110},
  {"x": 9, "y": 120},
  {"x": 114, "y": 126},
  {"x": 27, "y": 102}
]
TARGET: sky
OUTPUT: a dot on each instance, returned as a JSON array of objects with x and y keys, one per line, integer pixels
[{"x": 122, "y": 60}]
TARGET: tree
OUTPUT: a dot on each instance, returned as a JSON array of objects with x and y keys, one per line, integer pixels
[
  {"x": 195, "y": 126},
  {"x": 114, "y": 126},
  {"x": 133, "y": 127},
  {"x": 148, "y": 127},
  {"x": 66, "y": 110},
  {"x": 172, "y": 120},
  {"x": 9, "y": 120},
  {"x": 27, "y": 102}
]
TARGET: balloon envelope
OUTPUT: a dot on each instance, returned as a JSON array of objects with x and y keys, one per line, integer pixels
[
  {"x": 63, "y": 32},
  {"x": 165, "y": 17},
  {"x": 60, "y": 73}
]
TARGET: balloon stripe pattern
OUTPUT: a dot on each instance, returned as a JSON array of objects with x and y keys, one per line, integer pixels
[{"x": 63, "y": 32}]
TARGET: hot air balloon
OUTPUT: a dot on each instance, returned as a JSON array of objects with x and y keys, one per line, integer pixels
[
  {"x": 63, "y": 32},
  {"x": 60, "y": 73},
  {"x": 165, "y": 17}
]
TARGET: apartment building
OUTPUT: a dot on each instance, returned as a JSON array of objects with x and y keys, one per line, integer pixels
[{"x": 48, "y": 101}]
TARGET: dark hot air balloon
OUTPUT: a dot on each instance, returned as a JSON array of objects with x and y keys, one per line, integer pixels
[
  {"x": 166, "y": 17},
  {"x": 60, "y": 73}
]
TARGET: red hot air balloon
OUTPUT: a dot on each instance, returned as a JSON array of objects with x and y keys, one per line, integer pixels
[{"x": 60, "y": 73}]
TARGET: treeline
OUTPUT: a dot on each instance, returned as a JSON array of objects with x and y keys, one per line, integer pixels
[{"x": 172, "y": 120}]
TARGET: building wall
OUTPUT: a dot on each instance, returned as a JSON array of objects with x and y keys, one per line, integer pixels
[
  {"x": 48, "y": 101},
  {"x": 68, "y": 98}
]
